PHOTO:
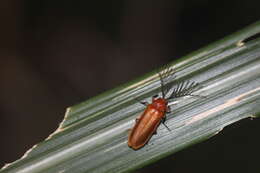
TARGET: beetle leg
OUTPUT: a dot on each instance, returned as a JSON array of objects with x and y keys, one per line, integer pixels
[
  {"x": 137, "y": 119},
  {"x": 163, "y": 122},
  {"x": 163, "y": 119},
  {"x": 168, "y": 110},
  {"x": 144, "y": 103},
  {"x": 155, "y": 96}
]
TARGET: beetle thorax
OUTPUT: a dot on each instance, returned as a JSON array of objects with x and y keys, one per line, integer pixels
[{"x": 160, "y": 104}]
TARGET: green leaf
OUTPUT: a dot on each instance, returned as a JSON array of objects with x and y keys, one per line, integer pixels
[{"x": 93, "y": 135}]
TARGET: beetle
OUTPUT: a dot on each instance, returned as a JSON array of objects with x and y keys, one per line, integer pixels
[{"x": 155, "y": 112}]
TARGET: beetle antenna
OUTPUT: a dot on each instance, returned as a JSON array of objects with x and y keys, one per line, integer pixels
[
  {"x": 162, "y": 84},
  {"x": 163, "y": 75},
  {"x": 184, "y": 89}
]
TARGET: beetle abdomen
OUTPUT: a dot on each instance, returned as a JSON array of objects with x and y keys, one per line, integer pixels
[{"x": 145, "y": 127}]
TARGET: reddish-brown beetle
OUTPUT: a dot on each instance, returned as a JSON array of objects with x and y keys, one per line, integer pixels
[{"x": 154, "y": 114}]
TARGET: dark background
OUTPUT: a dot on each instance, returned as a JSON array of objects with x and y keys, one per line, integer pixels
[{"x": 55, "y": 54}]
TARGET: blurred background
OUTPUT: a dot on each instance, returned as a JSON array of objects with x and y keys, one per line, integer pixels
[{"x": 55, "y": 54}]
